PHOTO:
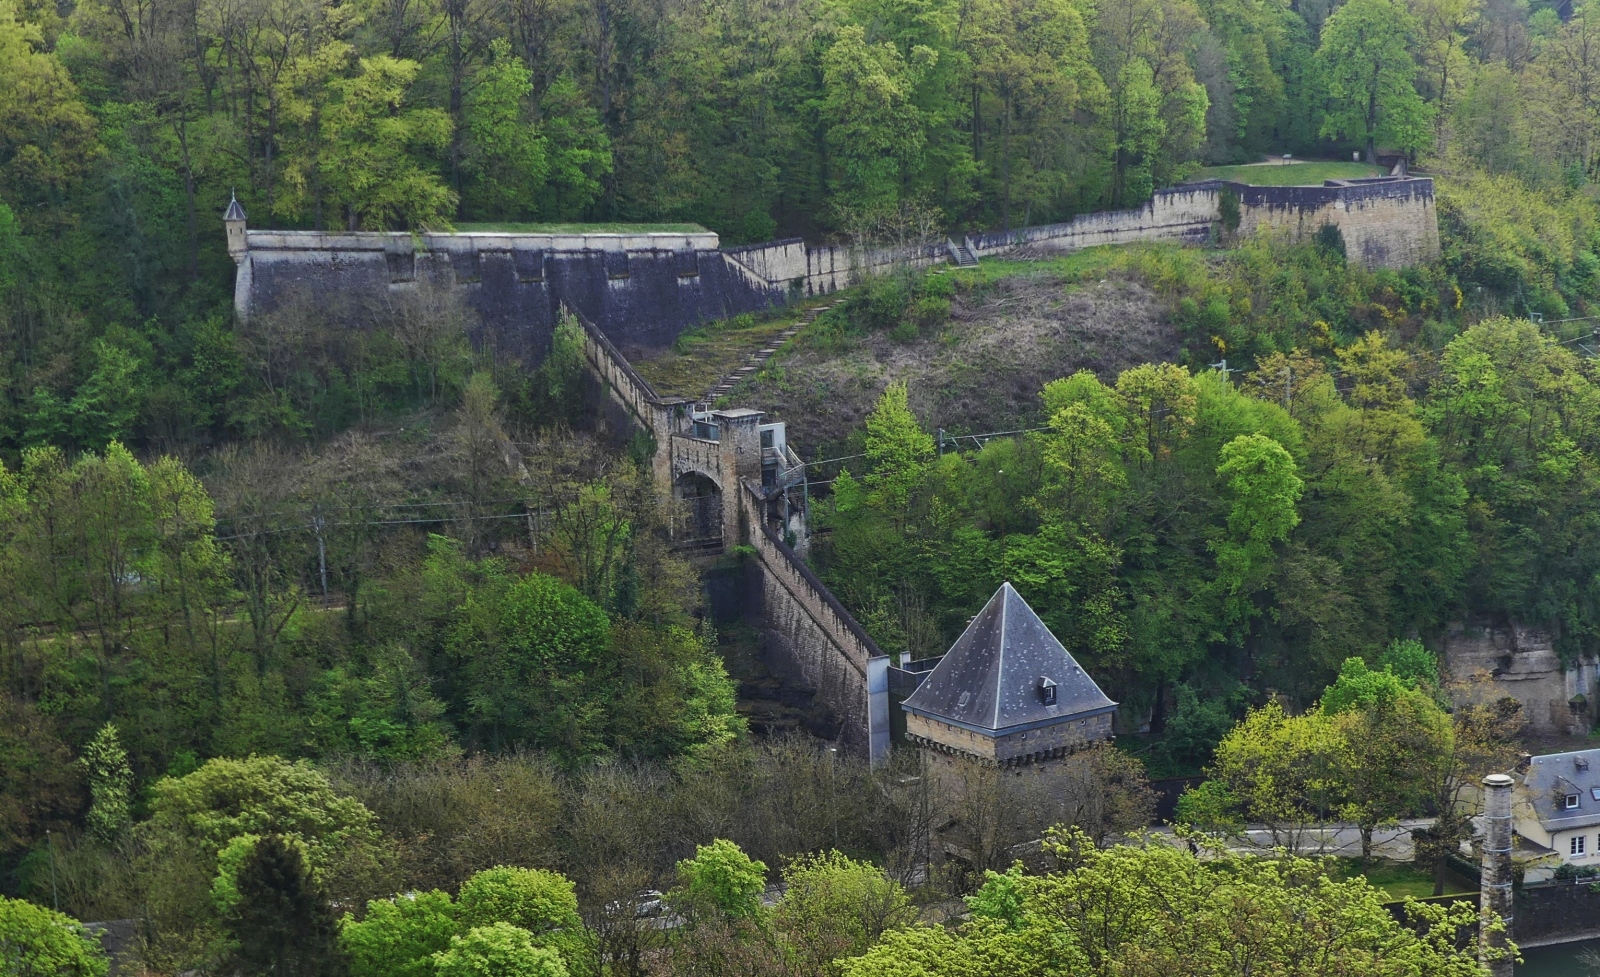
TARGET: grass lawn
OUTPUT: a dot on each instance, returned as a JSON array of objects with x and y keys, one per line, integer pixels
[
  {"x": 1400, "y": 879},
  {"x": 1291, "y": 175},
  {"x": 513, "y": 227}
]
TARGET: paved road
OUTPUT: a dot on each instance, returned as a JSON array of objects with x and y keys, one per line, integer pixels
[{"x": 1333, "y": 839}]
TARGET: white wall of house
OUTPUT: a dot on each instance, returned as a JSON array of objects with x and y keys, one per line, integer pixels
[{"x": 1578, "y": 846}]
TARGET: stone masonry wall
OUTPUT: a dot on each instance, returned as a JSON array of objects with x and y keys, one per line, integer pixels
[
  {"x": 1033, "y": 744},
  {"x": 663, "y": 417},
  {"x": 792, "y": 267},
  {"x": 806, "y": 631},
  {"x": 1385, "y": 223},
  {"x": 1555, "y": 913},
  {"x": 1185, "y": 213},
  {"x": 643, "y": 290}
]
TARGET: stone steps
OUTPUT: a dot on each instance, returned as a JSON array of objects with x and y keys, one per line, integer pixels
[
  {"x": 962, "y": 256},
  {"x": 757, "y": 359}
]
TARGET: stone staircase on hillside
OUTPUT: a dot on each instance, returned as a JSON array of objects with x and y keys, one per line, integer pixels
[
  {"x": 962, "y": 255},
  {"x": 760, "y": 356}
]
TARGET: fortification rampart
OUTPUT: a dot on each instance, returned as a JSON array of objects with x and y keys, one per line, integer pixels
[
  {"x": 1386, "y": 223},
  {"x": 1186, "y": 213},
  {"x": 644, "y": 289},
  {"x": 806, "y": 630},
  {"x": 792, "y": 267}
]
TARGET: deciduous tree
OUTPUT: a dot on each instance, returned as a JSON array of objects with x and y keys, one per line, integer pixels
[{"x": 1370, "y": 74}]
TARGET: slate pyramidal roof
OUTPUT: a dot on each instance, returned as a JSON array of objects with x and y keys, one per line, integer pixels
[
  {"x": 235, "y": 211},
  {"x": 990, "y": 679}
]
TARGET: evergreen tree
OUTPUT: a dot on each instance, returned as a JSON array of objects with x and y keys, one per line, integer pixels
[
  {"x": 282, "y": 925},
  {"x": 110, "y": 783}
]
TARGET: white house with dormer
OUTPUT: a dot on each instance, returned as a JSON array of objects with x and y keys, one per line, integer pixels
[{"x": 1557, "y": 805}]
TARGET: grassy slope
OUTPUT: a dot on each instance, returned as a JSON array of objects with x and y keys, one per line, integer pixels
[
  {"x": 512, "y": 227},
  {"x": 1294, "y": 174},
  {"x": 1014, "y": 326},
  {"x": 706, "y": 354}
]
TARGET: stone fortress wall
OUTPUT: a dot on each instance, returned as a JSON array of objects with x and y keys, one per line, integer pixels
[
  {"x": 805, "y": 632},
  {"x": 641, "y": 291},
  {"x": 644, "y": 290},
  {"x": 1387, "y": 222}
]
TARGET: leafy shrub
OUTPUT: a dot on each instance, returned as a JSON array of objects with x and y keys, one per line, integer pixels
[
  {"x": 36, "y": 942},
  {"x": 499, "y": 950}
]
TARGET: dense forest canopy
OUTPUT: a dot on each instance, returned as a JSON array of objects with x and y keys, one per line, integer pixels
[
  {"x": 379, "y": 578},
  {"x": 125, "y": 126},
  {"x": 1199, "y": 539}
]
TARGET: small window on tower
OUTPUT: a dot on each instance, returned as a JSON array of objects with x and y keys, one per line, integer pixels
[{"x": 1047, "y": 691}]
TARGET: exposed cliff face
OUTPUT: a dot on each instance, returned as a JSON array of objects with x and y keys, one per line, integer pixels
[{"x": 1556, "y": 699}]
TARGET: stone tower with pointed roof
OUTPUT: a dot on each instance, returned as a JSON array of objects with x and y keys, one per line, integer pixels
[
  {"x": 233, "y": 220},
  {"x": 1007, "y": 693}
]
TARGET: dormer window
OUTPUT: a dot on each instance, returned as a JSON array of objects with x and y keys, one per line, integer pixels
[
  {"x": 1047, "y": 691},
  {"x": 1571, "y": 802}
]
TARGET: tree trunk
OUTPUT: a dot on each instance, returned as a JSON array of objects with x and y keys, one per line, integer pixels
[
  {"x": 458, "y": 68},
  {"x": 1005, "y": 166},
  {"x": 1372, "y": 119}
]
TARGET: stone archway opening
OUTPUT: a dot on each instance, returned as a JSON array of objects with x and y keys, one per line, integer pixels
[{"x": 701, "y": 513}]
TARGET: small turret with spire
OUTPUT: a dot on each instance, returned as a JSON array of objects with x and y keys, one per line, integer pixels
[{"x": 233, "y": 220}]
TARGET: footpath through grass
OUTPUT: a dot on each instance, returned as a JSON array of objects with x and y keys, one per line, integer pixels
[{"x": 1310, "y": 173}]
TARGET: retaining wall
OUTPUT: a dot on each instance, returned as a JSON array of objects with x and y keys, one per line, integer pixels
[
  {"x": 1186, "y": 214},
  {"x": 791, "y": 267},
  {"x": 1556, "y": 912},
  {"x": 643, "y": 290},
  {"x": 807, "y": 632},
  {"x": 1386, "y": 223}
]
